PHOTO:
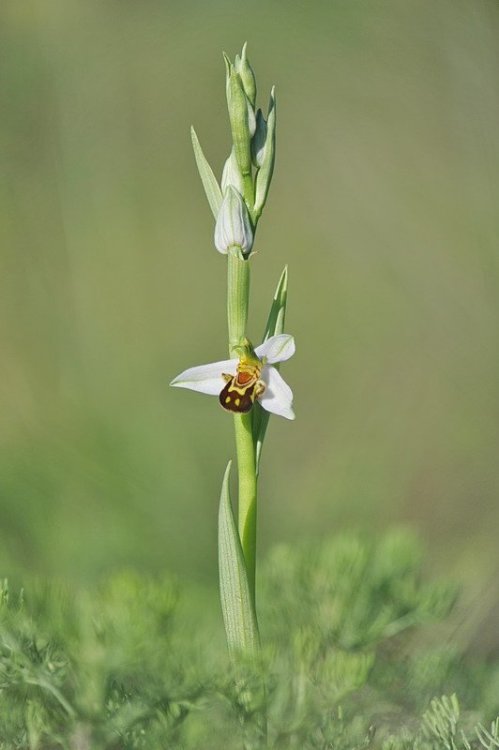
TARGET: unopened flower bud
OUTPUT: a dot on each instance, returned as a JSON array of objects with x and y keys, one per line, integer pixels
[
  {"x": 242, "y": 118},
  {"x": 233, "y": 226},
  {"x": 242, "y": 66}
]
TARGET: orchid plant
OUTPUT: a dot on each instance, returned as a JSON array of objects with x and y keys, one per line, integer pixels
[{"x": 248, "y": 384}]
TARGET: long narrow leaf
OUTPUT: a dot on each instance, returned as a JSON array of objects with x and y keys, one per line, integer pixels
[
  {"x": 210, "y": 184},
  {"x": 275, "y": 321},
  {"x": 275, "y": 326},
  {"x": 237, "y": 607}
]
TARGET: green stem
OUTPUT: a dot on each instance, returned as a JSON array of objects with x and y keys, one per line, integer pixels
[
  {"x": 238, "y": 283},
  {"x": 237, "y": 316},
  {"x": 245, "y": 447}
]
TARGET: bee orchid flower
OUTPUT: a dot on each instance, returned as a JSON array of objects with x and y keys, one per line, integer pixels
[{"x": 240, "y": 381}]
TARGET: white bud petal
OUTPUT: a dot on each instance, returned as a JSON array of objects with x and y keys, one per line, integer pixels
[
  {"x": 259, "y": 140},
  {"x": 251, "y": 119},
  {"x": 231, "y": 174}
]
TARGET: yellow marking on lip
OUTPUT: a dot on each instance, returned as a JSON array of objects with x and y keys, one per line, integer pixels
[
  {"x": 240, "y": 391},
  {"x": 238, "y": 401},
  {"x": 227, "y": 400}
]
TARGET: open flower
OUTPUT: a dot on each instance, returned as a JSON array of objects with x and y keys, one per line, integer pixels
[{"x": 250, "y": 377}]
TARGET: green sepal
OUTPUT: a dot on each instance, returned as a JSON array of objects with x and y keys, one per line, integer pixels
[
  {"x": 238, "y": 611},
  {"x": 264, "y": 174},
  {"x": 275, "y": 326},
  {"x": 210, "y": 184}
]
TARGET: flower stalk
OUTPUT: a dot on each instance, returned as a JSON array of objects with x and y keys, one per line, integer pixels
[
  {"x": 238, "y": 285},
  {"x": 248, "y": 384},
  {"x": 247, "y": 488}
]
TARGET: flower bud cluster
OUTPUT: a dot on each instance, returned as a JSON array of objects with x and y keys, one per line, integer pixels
[
  {"x": 248, "y": 170},
  {"x": 239, "y": 200}
]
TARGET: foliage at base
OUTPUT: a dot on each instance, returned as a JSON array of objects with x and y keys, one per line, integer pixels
[{"x": 358, "y": 653}]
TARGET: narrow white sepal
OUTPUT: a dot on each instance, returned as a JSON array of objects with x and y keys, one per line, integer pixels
[
  {"x": 278, "y": 396},
  {"x": 259, "y": 140},
  {"x": 251, "y": 120},
  {"x": 277, "y": 348},
  {"x": 206, "y": 378}
]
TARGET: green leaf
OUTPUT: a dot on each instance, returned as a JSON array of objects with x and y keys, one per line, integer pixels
[
  {"x": 210, "y": 184},
  {"x": 275, "y": 326},
  {"x": 237, "y": 607}
]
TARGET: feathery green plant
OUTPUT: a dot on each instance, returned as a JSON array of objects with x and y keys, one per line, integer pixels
[{"x": 124, "y": 666}]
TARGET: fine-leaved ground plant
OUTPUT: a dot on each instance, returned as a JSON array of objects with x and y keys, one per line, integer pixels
[{"x": 358, "y": 653}]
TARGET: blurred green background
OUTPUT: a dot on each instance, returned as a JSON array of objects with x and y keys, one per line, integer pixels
[{"x": 384, "y": 205}]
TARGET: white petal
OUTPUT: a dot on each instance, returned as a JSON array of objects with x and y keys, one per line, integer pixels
[
  {"x": 206, "y": 378},
  {"x": 276, "y": 348},
  {"x": 278, "y": 396}
]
